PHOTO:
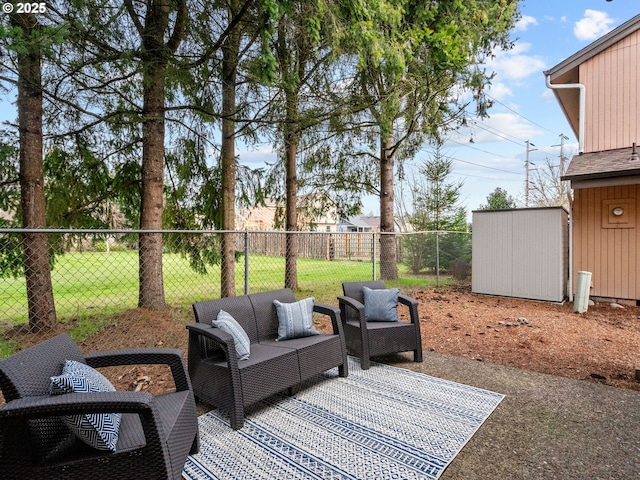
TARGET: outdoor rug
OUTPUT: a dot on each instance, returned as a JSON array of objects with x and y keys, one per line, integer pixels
[{"x": 381, "y": 423}]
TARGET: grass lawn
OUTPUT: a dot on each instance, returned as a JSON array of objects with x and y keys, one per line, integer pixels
[{"x": 91, "y": 286}]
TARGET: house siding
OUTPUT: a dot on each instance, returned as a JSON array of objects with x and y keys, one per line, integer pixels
[
  {"x": 609, "y": 251},
  {"x": 612, "y": 89}
]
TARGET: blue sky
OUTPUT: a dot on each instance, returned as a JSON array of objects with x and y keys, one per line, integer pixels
[{"x": 549, "y": 32}]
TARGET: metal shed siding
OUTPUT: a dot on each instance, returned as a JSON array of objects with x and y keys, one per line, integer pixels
[{"x": 521, "y": 253}]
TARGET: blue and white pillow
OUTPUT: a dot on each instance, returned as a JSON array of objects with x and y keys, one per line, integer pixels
[
  {"x": 100, "y": 430},
  {"x": 295, "y": 319},
  {"x": 228, "y": 324},
  {"x": 381, "y": 305}
]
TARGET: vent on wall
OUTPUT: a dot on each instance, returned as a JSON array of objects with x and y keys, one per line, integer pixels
[{"x": 618, "y": 213}]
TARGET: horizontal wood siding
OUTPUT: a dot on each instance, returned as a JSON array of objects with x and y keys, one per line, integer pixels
[
  {"x": 610, "y": 254},
  {"x": 612, "y": 85}
]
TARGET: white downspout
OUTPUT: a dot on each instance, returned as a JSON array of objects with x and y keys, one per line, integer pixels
[
  {"x": 581, "y": 121},
  {"x": 581, "y": 112}
]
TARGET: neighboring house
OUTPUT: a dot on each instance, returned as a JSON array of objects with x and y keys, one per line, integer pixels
[
  {"x": 359, "y": 223},
  {"x": 598, "y": 89},
  {"x": 313, "y": 215},
  {"x": 365, "y": 224}
]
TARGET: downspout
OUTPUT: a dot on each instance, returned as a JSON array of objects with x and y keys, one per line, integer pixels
[
  {"x": 580, "y": 113},
  {"x": 581, "y": 121}
]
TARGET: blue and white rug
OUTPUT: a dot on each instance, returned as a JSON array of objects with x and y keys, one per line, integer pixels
[{"x": 381, "y": 423}]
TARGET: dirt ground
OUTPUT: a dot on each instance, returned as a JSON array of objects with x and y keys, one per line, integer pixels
[{"x": 601, "y": 345}]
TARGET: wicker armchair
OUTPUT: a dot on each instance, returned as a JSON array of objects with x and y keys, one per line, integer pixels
[
  {"x": 369, "y": 339},
  {"x": 156, "y": 433}
]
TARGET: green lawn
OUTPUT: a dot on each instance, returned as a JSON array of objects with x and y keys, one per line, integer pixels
[{"x": 106, "y": 282}]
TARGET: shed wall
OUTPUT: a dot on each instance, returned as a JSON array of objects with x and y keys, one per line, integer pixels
[{"x": 521, "y": 253}]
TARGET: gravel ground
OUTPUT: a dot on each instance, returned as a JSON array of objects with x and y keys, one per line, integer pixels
[{"x": 547, "y": 427}]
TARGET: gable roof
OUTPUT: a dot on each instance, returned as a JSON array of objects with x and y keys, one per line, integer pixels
[{"x": 568, "y": 71}]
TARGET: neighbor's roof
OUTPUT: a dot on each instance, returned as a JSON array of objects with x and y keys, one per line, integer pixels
[
  {"x": 605, "y": 164},
  {"x": 363, "y": 221}
]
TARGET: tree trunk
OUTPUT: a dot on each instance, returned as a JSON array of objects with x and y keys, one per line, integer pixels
[
  {"x": 151, "y": 294},
  {"x": 291, "y": 225},
  {"x": 388, "y": 261},
  {"x": 230, "y": 52},
  {"x": 42, "y": 312}
]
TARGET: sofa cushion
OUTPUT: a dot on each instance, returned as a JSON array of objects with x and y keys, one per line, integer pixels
[
  {"x": 295, "y": 319},
  {"x": 381, "y": 305},
  {"x": 228, "y": 324},
  {"x": 99, "y": 430}
]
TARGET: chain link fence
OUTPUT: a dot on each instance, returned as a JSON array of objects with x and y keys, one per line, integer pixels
[{"x": 95, "y": 274}]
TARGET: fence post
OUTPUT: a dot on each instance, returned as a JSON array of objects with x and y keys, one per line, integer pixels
[
  {"x": 373, "y": 254},
  {"x": 246, "y": 262},
  {"x": 437, "y": 258}
]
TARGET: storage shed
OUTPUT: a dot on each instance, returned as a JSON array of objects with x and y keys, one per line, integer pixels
[{"x": 521, "y": 253}]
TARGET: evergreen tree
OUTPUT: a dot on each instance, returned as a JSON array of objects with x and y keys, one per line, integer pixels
[
  {"x": 498, "y": 199},
  {"x": 437, "y": 209}
]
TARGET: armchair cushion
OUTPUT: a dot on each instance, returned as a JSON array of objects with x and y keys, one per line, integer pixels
[
  {"x": 381, "y": 305},
  {"x": 295, "y": 319},
  {"x": 228, "y": 324},
  {"x": 99, "y": 430}
]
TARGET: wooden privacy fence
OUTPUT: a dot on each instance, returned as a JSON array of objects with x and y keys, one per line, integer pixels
[{"x": 327, "y": 246}]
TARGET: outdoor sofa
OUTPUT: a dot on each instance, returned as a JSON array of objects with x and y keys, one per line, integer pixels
[
  {"x": 72, "y": 435},
  {"x": 224, "y": 381}
]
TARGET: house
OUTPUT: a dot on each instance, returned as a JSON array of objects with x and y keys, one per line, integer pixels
[
  {"x": 314, "y": 214},
  {"x": 598, "y": 90},
  {"x": 360, "y": 223},
  {"x": 367, "y": 224}
]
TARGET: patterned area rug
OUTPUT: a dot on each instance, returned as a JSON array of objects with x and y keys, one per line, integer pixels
[{"x": 385, "y": 423}]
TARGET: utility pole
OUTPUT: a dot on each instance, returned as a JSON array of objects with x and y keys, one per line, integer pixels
[
  {"x": 564, "y": 191},
  {"x": 526, "y": 165},
  {"x": 561, "y": 145}
]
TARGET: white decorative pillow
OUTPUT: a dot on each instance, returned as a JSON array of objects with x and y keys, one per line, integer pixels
[
  {"x": 100, "y": 430},
  {"x": 295, "y": 320},
  {"x": 228, "y": 324},
  {"x": 381, "y": 305}
]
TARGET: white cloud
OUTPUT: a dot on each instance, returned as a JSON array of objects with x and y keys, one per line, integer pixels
[
  {"x": 517, "y": 67},
  {"x": 549, "y": 96},
  {"x": 594, "y": 25},
  {"x": 514, "y": 64},
  {"x": 500, "y": 91},
  {"x": 524, "y": 22}
]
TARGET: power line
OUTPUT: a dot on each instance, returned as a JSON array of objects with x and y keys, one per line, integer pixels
[
  {"x": 486, "y": 166},
  {"x": 478, "y": 149},
  {"x": 504, "y": 135},
  {"x": 520, "y": 115},
  {"x": 478, "y": 165}
]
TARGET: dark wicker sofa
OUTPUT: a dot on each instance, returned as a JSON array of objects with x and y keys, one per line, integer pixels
[{"x": 223, "y": 381}]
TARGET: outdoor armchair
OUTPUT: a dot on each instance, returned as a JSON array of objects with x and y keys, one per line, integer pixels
[
  {"x": 156, "y": 433},
  {"x": 366, "y": 339}
]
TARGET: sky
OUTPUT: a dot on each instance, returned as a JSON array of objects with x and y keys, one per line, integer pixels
[{"x": 524, "y": 108}]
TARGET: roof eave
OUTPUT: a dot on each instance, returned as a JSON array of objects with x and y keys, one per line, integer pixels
[{"x": 594, "y": 48}]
